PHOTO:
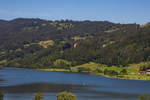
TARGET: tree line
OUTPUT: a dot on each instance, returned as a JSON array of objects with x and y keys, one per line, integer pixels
[
  {"x": 69, "y": 96},
  {"x": 61, "y": 96}
]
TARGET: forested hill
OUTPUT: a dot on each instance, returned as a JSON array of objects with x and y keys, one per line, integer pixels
[
  {"x": 42, "y": 43},
  {"x": 20, "y": 31}
]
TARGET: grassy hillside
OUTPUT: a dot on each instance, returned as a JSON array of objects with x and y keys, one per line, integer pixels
[
  {"x": 36, "y": 43},
  {"x": 132, "y": 71}
]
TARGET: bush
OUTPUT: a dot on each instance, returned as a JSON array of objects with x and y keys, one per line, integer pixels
[
  {"x": 144, "y": 97},
  {"x": 1, "y": 96},
  {"x": 38, "y": 96},
  {"x": 110, "y": 72},
  {"x": 123, "y": 72},
  {"x": 143, "y": 68},
  {"x": 80, "y": 69},
  {"x": 148, "y": 66},
  {"x": 113, "y": 72},
  {"x": 99, "y": 70},
  {"x": 84, "y": 69},
  {"x": 60, "y": 63},
  {"x": 66, "y": 96},
  {"x": 105, "y": 72}
]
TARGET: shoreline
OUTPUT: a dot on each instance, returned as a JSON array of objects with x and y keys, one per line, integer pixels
[
  {"x": 131, "y": 72},
  {"x": 125, "y": 77}
]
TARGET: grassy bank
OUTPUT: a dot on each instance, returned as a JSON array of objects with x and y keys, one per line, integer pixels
[
  {"x": 54, "y": 69},
  {"x": 132, "y": 71}
]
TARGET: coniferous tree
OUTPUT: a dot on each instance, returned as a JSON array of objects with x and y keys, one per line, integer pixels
[
  {"x": 66, "y": 96},
  {"x": 1, "y": 96},
  {"x": 38, "y": 96}
]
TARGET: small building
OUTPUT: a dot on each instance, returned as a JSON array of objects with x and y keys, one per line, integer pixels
[
  {"x": 148, "y": 71},
  {"x": 142, "y": 72},
  {"x": 145, "y": 72},
  {"x": 75, "y": 45}
]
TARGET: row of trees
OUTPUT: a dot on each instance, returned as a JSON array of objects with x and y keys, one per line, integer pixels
[
  {"x": 144, "y": 97},
  {"x": 144, "y": 68},
  {"x": 113, "y": 72},
  {"x": 70, "y": 96},
  {"x": 60, "y": 96}
]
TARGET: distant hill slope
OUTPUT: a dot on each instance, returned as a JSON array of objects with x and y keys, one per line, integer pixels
[
  {"x": 24, "y": 42},
  {"x": 131, "y": 49},
  {"x": 19, "y": 31}
]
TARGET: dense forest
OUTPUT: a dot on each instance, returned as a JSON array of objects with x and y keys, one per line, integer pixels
[{"x": 36, "y": 43}]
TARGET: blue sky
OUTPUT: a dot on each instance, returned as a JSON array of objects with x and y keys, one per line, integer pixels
[{"x": 118, "y": 11}]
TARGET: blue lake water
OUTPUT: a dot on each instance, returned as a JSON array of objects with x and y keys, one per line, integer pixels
[{"x": 22, "y": 84}]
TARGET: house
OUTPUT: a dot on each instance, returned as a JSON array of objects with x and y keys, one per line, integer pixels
[
  {"x": 142, "y": 72},
  {"x": 148, "y": 71},
  {"x": 75, "y": 45},
  {"x": 145, "y": 72}
]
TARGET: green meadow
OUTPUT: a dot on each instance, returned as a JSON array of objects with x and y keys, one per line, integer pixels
[{"x": 131, "y": 71}]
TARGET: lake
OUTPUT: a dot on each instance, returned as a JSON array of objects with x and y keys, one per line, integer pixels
[{"x": 22, "y": 84}]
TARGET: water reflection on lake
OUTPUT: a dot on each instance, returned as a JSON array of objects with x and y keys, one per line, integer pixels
[{"x": 21, "y": 84}]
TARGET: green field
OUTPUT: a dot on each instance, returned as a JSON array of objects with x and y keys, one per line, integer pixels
[{"x": 98, "y": 69}]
